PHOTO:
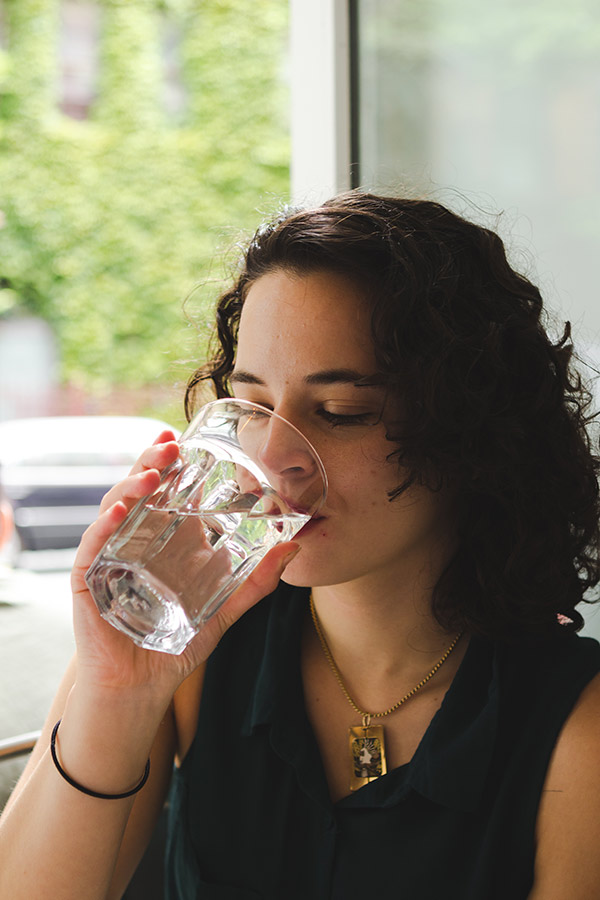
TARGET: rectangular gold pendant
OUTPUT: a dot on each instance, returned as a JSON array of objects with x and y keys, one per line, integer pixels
[{"x": 367, "y": 754}]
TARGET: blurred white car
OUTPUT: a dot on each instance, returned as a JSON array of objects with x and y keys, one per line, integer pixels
[{"x": 56, "y": 470}]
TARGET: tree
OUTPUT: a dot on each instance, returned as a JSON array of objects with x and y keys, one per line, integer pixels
[{"x": 111, "y": 222}]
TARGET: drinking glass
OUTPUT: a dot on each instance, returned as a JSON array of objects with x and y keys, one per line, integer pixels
[{"x": 245, "y": 480}]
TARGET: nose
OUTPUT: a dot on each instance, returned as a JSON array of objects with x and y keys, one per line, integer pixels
[
  {"x": 284, "y": 453},
  {"x": 286, "y": 459}
]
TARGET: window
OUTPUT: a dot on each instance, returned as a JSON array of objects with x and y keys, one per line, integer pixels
[
  {"x": 79, "y": 49},
  {"x": 491, "y": 108}
]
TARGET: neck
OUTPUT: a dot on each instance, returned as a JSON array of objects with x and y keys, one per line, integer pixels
[{"x": 388, "y": 633}]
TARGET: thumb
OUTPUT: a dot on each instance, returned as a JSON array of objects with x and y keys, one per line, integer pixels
[{"x": 262, "y": 581}]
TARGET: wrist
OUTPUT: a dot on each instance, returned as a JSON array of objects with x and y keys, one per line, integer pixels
[
  {"x": 111, "y": 688},
  {"x": 105, "y": 741},
  {"x": 91, "y": 792}
]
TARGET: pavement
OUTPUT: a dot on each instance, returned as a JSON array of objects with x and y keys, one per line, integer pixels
[{"x": 36, "y": 643}]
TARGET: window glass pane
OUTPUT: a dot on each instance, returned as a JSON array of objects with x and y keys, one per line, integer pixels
[
  {"x": 498, "y": 103},
  {"x": 79, "y": 40}
]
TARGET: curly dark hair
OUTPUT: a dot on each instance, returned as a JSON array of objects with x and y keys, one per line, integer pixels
[{"x": 494, "y": 406}]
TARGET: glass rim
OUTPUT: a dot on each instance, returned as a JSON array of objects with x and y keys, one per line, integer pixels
[{"x": 251, "y": 404}]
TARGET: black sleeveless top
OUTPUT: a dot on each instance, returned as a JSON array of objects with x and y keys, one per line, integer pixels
[{"x": 250, "y": 815}]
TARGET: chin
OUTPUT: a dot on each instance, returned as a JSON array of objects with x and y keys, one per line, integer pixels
[
  {"x": 302, "y": 573},
  {"x": 296, "y": 577}
]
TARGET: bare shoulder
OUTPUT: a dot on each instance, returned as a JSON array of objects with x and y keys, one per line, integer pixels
[
  {"x": 568, "y": 826},
  {"x": 186, "y": 704}
]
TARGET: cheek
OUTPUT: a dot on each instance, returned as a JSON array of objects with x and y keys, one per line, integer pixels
[
  {"x": 364, "y": 488},
  {"x": 361, "y": 473}
]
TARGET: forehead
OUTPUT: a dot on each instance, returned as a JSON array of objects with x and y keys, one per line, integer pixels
[{"x": 322, "y": 314}]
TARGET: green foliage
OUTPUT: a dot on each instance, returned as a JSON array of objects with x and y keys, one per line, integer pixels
[
  {"x": 33, "y": 28},
  {"x": 130, "y": 74},
  {"x": 111, "y": 222}
]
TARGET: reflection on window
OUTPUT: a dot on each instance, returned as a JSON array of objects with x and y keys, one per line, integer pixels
[{"x": 500, "y": 103}]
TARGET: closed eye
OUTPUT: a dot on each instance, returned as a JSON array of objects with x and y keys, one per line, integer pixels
[{"x": 335, "y": 419}]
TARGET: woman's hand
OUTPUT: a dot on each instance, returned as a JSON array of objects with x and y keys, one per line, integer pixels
[{"x": 107, "y": 659}]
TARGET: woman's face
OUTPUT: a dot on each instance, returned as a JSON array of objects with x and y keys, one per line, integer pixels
[{"x": 304, "y": 342}]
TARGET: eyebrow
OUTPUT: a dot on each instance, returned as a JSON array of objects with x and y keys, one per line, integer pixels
[{"x": 327, "y": 376}]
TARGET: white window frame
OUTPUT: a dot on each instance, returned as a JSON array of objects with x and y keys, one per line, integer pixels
[{"x": 320, "y": 99}]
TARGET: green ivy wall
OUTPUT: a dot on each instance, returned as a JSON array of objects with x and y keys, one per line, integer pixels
[{"x": 109, "y": 223}]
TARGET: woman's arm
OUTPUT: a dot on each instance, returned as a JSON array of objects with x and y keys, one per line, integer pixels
[
  {"x": 173, "y": 740},
  {"x": 54, "y": 838},
  {"x": 567, "y": 863},
  {"x": 116, "y": 706}
]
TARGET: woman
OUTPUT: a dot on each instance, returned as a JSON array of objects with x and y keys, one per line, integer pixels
[{"x": 425, "y": 717}]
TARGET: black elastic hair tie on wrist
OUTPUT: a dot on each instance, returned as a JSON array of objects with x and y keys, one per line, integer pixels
[{"x": 85, "y": 790}]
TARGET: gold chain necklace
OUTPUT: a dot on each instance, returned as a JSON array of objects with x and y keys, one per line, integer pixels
[{"x": 367, "y": 746}]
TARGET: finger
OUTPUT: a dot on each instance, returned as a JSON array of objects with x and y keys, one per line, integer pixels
[
  {"x": 165, "y": 437},
  {"x": 262, "y": 581},
  {"x": 131, "y": 489},
  {"x": 160, "y": 455},
  {"x": 153, "y": 459},
  {"x": 94, "y": 539}
]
